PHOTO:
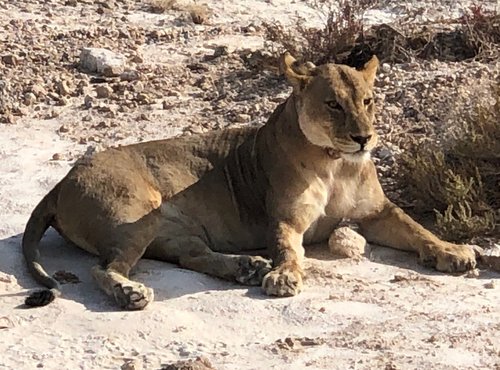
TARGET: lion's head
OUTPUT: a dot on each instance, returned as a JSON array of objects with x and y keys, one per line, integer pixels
[{"x": 335, "y": 105}]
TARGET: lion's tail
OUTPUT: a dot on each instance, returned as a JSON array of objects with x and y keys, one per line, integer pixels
[{"x": 39, "y": 222}]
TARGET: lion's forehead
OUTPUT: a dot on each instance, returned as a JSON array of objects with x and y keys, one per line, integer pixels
[{"x": 345, "y": 83}]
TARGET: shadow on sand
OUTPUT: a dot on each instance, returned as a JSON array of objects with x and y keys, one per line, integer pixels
[{"x": 167, "y": 280}]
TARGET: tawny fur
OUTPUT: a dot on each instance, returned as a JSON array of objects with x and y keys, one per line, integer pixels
[{"x": 203, "y": 201}]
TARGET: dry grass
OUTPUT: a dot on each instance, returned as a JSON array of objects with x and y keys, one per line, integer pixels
[
  {"x": 342, "y": 28},
  {"x": 199, "y": 13},
  {"x": 482, "y": 31},
  {"x": 460, "y": 181},
  {"x": 162, "y": 6},
  {"x": 344, "y": 39}
]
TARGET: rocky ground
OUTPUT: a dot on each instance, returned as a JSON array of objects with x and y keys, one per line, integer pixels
[{"x": 175, "y": 76}]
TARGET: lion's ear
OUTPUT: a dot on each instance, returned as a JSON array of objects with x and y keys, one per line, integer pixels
[
  {"x": 297, "y": 74},
  {"x": 369, "y": 70}
]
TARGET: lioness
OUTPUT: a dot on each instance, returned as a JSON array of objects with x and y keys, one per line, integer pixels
[{"x": 202, "y": 201}]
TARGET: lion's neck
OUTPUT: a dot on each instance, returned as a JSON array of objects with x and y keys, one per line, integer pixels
[{"x": 287, "y": 135}]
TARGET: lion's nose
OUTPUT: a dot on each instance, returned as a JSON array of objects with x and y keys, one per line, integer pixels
[{"x": 361, "y": 140}]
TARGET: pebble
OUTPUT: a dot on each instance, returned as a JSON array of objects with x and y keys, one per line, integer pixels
[
  {"x": 242, "y": 118},
  {"x": 10, "y": 59},
  {"x": 62, "y": 101},
  {"x": 29, "y": 99},
  {"x": 130, "y": 75},
  {"x": 138, "y": 87},
  {"x": 137, "y": 59},
  {"x": 103, "y": 91},
  {"x": 489, "y": 285},
  {"x": 386, "y": 67},
  {"x": 62, "y": 88},
  {"x": 63, "y": 129},
  {"x": 39, "y": 91},
  {"x": 132, "y": 364},
  {"x": 88, "y": 101}
]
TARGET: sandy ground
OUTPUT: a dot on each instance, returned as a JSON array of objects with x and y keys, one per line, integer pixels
[{"x": 383, "y": 312}]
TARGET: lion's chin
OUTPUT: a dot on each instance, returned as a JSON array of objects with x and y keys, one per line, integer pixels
[{"x": 357, "y": 157}]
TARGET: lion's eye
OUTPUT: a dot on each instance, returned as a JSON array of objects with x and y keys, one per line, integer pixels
[
  {"x": 332, "y": 104},
  {"x": 367, "y": 101}
]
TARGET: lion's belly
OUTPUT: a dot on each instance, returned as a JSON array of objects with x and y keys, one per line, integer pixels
[{"x": 207, "y": 210}]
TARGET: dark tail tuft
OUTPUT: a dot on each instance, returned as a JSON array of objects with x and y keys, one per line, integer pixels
[{"x": 41, "y": 298}]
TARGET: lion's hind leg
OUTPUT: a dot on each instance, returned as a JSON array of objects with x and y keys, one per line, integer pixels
[
  {"x": 246, "y": 270},
  {"x": 191, "y": 252},
  {"x": 112, "y": 275},
  {"x": 128, "y": 294}
]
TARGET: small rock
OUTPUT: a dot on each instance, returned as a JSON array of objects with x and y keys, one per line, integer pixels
[
  {"x": 200, "y": 363},
  {"x": 4, "y": 87},
  {"x": 5, "y": 278},
  {"x": 143, "y": 98},
  {"x": 39, "y": 91},
  {"x": 242, "y": 117},
  {"x": 103, "y": 91},
  {"x": 66, "y": 277},
  {"x": 101, "y": 125},
  {"x": 144, "y": 117},
  {"x": 385, "y": 153},
  {"x": 8, "y": 118},
  {"x": 10, "y": 59},
  {"x": 102, "y": 61},
  {"x": 166, "y": 105},
  {"x": 29, "y": 99},
  {"x": 62, "y": 88},
  {"x": 132, "y": 364},
  {"x": 386, "y": 67},
  {"x": 6, "y": 322},
  {"x": 138, "y": 87},
  {"x": 346, "y": 242},
  {"x": 130, "y": 76},
  {"x": 108, "y": 4},
  {"x": 62, "y": 101},
  {"x": 489, "y": 285},
  {"x": 71, "y": 3},
  {"x": 52, "y": 114},
  {"x": 63, "y": 129},
  {"x": 112, "y": 71},
  {"x": 88, "y": 101},
  {"x": 56, "y": 157},
  {"x": 137, "y": 59},
  {"x": 220, "y": 51},
  {"x": 54, "y": 96}
]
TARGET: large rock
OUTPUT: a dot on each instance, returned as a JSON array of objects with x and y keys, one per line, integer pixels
[
  {"x": 345, "y": 242},
  {"x": 102, "y": 61}
]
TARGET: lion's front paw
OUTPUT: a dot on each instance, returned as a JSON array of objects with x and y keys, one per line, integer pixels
[
  {"x": 133, "y": 296},
  {"x": 252, "y": 270},
  {"x": 448, "y": 257},
  {"x": 283, "y": 281}
]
